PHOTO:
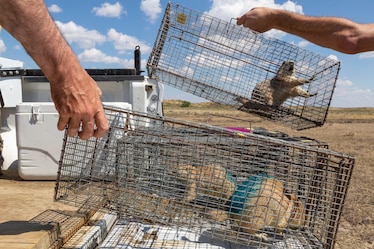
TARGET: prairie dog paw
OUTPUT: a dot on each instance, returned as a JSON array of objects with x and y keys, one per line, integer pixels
[
  {"x": 217, "y": 215},
  {"x": 262, "y": 236}
]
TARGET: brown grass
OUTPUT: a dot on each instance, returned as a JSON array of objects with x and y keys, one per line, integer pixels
[{"x": 347, "y": 130}]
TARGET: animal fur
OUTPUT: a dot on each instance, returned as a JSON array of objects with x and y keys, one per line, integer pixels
[
  {"x": 254, "y": 204},
  {"x": 275, "y": 91},
  {"x": 261, "y": 202},
  {"x": 298, "y": 213},
  {"x": 208, "y": 180}
]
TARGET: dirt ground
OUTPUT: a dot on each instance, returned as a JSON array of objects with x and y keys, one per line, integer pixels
[
  {"x": 23, "y": 200},
  {"x": 350, "y": 133}
]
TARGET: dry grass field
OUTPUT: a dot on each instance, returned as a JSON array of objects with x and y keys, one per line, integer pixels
[{"x": 347, "y": 130}]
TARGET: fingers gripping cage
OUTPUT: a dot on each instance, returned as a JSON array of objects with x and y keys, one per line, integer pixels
[
  {"x": 229, "y": 64},
  {"x": 217, "y": 183}
]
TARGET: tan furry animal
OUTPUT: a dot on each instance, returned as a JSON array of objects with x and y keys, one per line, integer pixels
[
  {"x": 284, "y": 85},
  {"x": 274, "y": 92},
  {"x": 209, "y": 180},
  {"x": 297, "y": 218},
  {"x": 264, "y": 204},
  {"x": 268, "y": 208},
  {"x": 253, "y": 205}
]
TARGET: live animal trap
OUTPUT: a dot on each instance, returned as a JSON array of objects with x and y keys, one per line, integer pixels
[
  {"x": 228, "y": 64},
  {"x": 246, "y": 190}
]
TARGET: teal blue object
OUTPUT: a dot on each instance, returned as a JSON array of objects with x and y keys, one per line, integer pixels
[
  {"x": 244, "y": 191},
  {"x": 230, "y": 177}
]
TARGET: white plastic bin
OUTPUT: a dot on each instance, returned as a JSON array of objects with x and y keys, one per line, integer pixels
[
  {"x": 39, "y": 141},
  {"x": 29, "y": 143}
]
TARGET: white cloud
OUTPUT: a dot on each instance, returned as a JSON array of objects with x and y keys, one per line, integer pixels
[
  {"x": 333, "y": 57},
  {"x": 18, "y": 47},
  {"x": 2, "y": 46},
  {"x": 95, "y": 55},
  {"x": 109, "y": 10},
  {"x": 366, "y": 55},
  {"x": 54, "y": 8},
  {"x": 125, "y": 43},
  {"x": 228, "y": 9},
  {"x": 85, "y": 38},
  {"x": 348, "y": 95},
  {"x": 303, "y": 43},
  {"x": 151, "y": 8},
  {"x": 344, "y": 83}
]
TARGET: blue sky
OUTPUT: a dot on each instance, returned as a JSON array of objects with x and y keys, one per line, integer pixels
[{"x": 104, "y": 34}]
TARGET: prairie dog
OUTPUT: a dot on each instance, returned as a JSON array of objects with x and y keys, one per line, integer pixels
[
  {"x": 209, "y": 180},
  {"x": 261, "y": 202},
  {"x": 284, "y": 85}
]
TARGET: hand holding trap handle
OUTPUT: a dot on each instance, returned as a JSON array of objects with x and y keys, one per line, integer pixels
[{"x": 226, "y": 63}]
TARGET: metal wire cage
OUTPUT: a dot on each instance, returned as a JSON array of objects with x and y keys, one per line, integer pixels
[
  {"x": 228, "y": 64},
  {"x": 245, "y": 189}
]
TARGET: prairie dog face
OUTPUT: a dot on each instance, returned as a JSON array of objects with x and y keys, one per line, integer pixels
[{"x": 287, "y": 69}]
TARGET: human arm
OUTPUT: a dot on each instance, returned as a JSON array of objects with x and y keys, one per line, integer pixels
[
  {"x": 75, "y": 94},
  {"x": 336, "y": 33}
]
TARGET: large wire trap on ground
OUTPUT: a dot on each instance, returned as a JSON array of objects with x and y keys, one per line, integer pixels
[
  {"x": 245, "y": 190},
  {"x": 228, "y": 64}
]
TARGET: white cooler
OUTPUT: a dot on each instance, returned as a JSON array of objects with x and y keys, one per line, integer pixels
[
  {"x": 39, "y": 141},
  {"x": 32, "y": 142}
]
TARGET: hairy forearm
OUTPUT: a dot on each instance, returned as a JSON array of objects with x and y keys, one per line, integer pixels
[
  {"x": 31, "y": 24},
  {"x": 332, "y": 32},
  {"x": 75, "y": 94},
  {"x": 337, "y": 33}
]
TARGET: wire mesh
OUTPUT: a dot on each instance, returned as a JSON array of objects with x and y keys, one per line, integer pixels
[
  {"x": 247, "y": 189},
  {"x": 228, "y": 64},
  {"x": 65, "y": 224}
]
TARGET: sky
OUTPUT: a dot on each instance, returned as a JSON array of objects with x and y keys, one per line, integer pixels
[{"x": 104, "y": 34}]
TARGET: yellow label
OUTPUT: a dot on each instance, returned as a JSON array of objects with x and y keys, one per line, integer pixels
[{"x": 182, "y": 18}]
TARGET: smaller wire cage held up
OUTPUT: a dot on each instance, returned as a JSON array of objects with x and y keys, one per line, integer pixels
[
  {"x": 242, "y": 189},
  {"x": 229, "y": 64}
]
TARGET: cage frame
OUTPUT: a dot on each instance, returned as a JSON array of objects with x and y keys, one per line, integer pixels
[
  {"x": 72, "y": 181},
  {"x": 189, "y": 74}
]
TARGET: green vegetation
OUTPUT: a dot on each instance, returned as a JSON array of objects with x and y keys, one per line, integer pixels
[{"x": 185, "y": 104}]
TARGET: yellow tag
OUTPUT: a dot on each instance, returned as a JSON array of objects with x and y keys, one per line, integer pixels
[
  {"x": 182, "y": 18},
  {"x": 240, "y": 134}
]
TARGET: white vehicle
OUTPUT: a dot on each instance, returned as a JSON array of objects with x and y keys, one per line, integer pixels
[{"x": 31, "y": 140}]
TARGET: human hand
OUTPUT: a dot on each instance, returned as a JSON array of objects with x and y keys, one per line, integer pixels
[
  {"x": 259, "y": 19},
  {"x": 77, "y": 100}
]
